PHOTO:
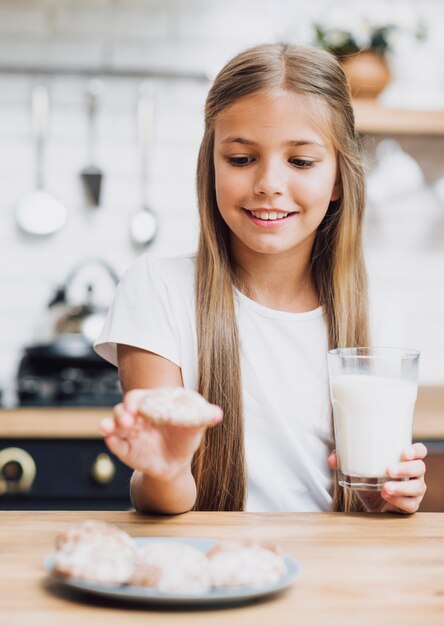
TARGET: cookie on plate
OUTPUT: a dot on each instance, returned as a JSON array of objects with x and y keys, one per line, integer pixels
[
  {"x": 172, "y": 567},
  {"x": 178, "y": 406},
  {"x": 95, "y": 551},
  {"x": 246, "y": 564}
]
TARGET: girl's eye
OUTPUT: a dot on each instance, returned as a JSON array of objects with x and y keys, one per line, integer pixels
[
  {"x": 240, "y": 161},
  {"x": 302, "y": 164}
]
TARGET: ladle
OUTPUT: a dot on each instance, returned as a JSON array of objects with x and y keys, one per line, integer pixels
[
  {"x": 144, "y": 222},
  {"x": 38, "y": 212}
]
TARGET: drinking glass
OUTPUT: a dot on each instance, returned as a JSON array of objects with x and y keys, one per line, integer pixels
[{"x": 373, "y": 393}]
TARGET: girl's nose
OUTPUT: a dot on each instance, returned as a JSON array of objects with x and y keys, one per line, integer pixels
[{"x": 269, "y": 179}]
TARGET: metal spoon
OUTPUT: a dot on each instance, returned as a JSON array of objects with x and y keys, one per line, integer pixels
[
  {"x": 144, "y": 222},
  {"x": 38, "y": 212}
]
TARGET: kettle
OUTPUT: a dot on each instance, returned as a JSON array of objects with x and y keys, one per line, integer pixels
[
  {"x": 85, "y": 320},
  {"x": 63, "y": 368}
]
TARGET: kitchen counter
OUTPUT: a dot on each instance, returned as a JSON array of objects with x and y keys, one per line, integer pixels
[
  {"x": 366, "y": 569},
  {"x": 57, "y": 422},
  {"x": 83, "y": 422}
]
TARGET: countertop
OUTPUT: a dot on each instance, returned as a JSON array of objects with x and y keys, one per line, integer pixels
[
  {"x": 358, "y": 568},
  {"x": 83, "y": 422}
]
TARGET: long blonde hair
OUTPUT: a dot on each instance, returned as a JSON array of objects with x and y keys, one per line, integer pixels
[{"x": 337, "y": 260}]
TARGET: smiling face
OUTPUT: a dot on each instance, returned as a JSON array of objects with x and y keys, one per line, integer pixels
[{"x": 275, "y": 174}]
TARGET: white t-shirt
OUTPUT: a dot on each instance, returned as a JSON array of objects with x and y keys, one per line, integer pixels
[{"x": 287, "y": 408}]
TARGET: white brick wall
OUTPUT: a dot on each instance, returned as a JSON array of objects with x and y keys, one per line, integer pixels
[{"x": 196, "y": 35}]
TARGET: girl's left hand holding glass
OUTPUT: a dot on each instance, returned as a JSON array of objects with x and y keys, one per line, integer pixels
[{"x": 397, "y": 496}]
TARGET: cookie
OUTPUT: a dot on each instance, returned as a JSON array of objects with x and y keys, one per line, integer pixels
[
  {"x": 172, "y": 567},
  {"x": 95, "y": 551},
  {"x": 178, "y": 406},
  {"x": 245, "y": 564}
]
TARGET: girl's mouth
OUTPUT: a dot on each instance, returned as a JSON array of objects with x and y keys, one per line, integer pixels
[{"x": 269, "y": 218}]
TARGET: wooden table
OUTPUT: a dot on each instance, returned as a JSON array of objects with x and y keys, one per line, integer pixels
[{"x": 356, "y": 569}]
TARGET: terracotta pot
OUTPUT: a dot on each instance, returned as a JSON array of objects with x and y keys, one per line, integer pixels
[{"x": 367, "y": 73}]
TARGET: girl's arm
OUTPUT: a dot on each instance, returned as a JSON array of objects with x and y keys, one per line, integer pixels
[{"x": 161, "y": 455}]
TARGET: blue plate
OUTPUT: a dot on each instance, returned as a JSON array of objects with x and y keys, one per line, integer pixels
[{"x": 216, "y": 596}]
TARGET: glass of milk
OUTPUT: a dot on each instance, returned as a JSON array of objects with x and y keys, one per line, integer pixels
[{"x": 373, "y": 393}]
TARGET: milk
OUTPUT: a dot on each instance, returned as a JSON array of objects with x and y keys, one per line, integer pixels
[{"x": 373, "y": 418}]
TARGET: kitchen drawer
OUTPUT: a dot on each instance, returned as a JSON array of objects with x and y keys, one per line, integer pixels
[
  {"x": 69, "y": 474},
  {"x": 434, "y": 497},
  {"x": 74, "y": 474}
]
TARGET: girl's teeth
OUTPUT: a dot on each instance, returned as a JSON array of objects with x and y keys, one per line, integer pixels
[{"x": 268, "y": 215}]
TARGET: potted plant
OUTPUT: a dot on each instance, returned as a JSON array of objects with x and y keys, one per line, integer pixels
[{"x": 362, "y": 48}]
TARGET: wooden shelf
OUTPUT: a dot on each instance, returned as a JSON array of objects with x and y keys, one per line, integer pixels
[{"x": 372, "y": 117}]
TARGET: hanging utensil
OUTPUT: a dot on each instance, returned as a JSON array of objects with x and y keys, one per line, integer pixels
[
  {"x": 92, "y": 175},
  {"x": 38, "y": 212},
  {"x": 144, "y": 222}
]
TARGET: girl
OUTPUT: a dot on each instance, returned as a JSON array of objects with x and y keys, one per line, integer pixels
[{"x": 278, "y": 279}]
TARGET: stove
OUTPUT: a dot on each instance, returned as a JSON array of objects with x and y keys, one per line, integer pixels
[
  {"x": 50, "y": 376},
  {"x": 63, "y": 472}
]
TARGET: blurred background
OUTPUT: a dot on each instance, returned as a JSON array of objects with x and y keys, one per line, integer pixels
[{"x": 101, "y": 106}]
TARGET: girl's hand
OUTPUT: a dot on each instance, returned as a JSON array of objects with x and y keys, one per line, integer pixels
[
  {"x": 161, "y": 451},
  {"x": 398, "y": 496}
]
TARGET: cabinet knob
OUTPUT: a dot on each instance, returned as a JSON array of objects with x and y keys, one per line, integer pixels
[
  {"x": 17, "y": 471},
  {"x": 103, "y": 469}
]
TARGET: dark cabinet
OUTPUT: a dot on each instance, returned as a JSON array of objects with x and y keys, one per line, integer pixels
[
  {"x": 62, "y": 474},
  {"x": 434, "y": 497}
]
